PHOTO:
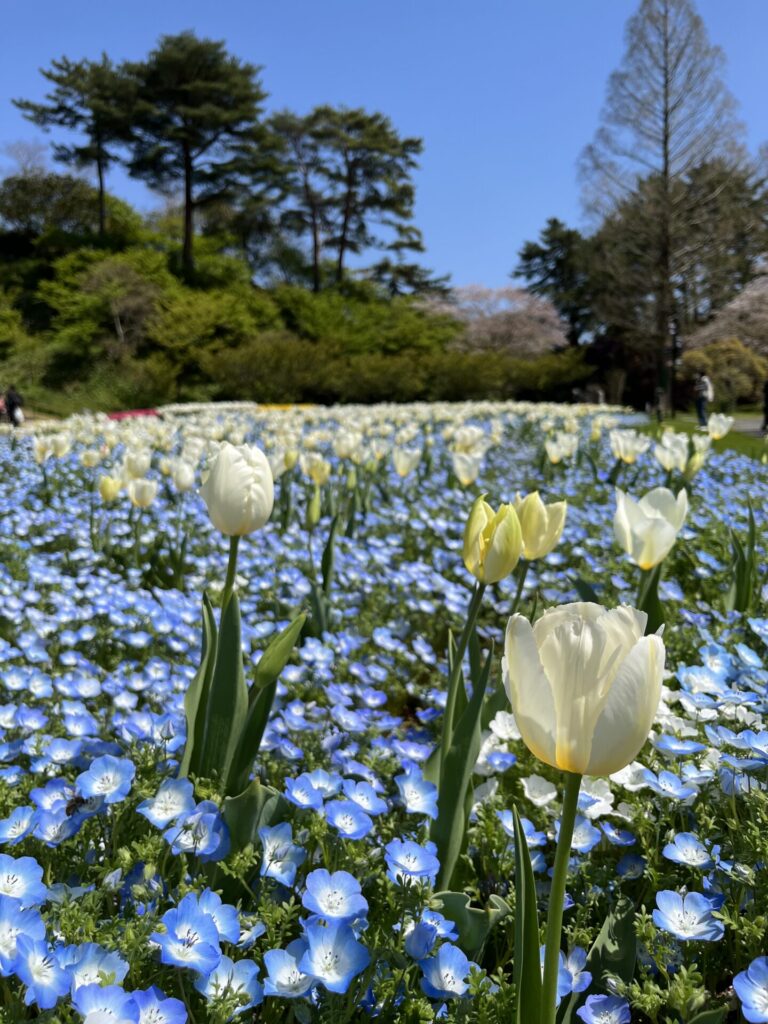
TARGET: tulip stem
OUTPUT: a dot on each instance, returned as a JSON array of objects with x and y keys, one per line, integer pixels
[
  {"x": 522, "y": 571},
  {"x": 229, "y": 583},
  {"x": 556, "y": 897},
  {"x": 453, "y": 679}
]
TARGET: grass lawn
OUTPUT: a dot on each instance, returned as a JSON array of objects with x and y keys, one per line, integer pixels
[{"x": 735, "y": 440}]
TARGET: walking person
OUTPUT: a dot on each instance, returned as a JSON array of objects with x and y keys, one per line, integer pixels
[
  {"x": 13, "y": 404},
  {"x": 703, "y": 393}
]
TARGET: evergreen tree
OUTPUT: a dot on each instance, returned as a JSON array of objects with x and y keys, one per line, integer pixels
[
  {"x": 195, "y": 123},
  {"x": 556, "y": 267},
  {"x": 90, "y": 98}
]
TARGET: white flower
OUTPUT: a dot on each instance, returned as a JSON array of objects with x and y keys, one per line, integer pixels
[
  {"x": 238, "y": 490},
  {"x": 648, "y": 528}
]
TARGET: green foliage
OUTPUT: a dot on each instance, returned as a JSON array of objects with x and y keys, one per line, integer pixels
[{"x": 737, "y": 373}]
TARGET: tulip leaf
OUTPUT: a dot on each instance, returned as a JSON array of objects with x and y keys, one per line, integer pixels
[
  {"x": 457, "y": 766},
  {"x": 227, "y": 703},
  {"x": 585, "y": 590},
  {"x": 275, "y": 657},
  {"x": 648, "y": 598},
  {"x": 527, "y": 966},
  {"x": 246, "y": 813},
  {"x": 710, "y": 1016},
  {"x": 472, "y": 923},
  {"x": 612, "y": 955},
  {"x": 496, "y": 701},
  {"x": 250, "y": 737},
  {"x": 328, "y": 561},
  {"x": 197, "y": 691}
]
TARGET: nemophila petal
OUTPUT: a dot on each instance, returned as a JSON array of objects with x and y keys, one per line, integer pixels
[
  {"x": 605, "y": 1010},
  {"x": 156, "y": 1008},
  {"x": 17, "y": 825},
  {"x": 365, "y": 796},
  {"x": 445, "y": 975},
  {"x": 334, "y": 897},
  {"x": 190, "y": 938},
  {"x": 107, "y": 1004},
  {"x": 688, "y": 917},
  {"x": 38, "y": 969},
  {"x": 418, "y": 795},
  {"x": 174, "y": 799},
  {"x": 280, "y": 858},
  {"x": 16, "y": 921},
  {"x": 333, "y": 956},
  {"x": 687, "y": 849},
  {"x": 348, "y": 818},
  {"x": 22, "y": 879},
  {"x": 225, "y": 916},
  {"x": 409, "y": 863},
  {"x": 108, "y": 777},
  {"x": 284, "y": 976},
  {"x": 91, "y": 964},
  {"x": 751, "y": 986},
  {"x": 302, "y": 793},
  {"x": 238, "y": 980},
  {"x": 585, "y": 835}
]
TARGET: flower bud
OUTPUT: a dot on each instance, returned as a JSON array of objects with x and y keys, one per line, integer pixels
[
  {"x": 493, "y": 542},
  {"x": 110, "y": 487},
  {"x": 142, "y": 492},
  {"x": 541, "y": 525},
  {"x": 313, "y": 509},
  {"x": 183, "y": 475},
  {"x": 238, "y": 489}
]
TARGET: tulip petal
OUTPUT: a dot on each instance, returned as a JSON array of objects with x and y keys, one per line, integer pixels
[
  {"x": 529, "y": 691},
  {"x": 628, "y": 713}
]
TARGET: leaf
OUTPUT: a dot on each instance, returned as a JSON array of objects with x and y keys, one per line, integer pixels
[
  {"x": 328, "y": 561},
  {"x": 648, "y": 598},
  {"x": 527, "y": 966},
  {"x": 198, "y": 687},
  {"x": 585, "y": 590},
  {"x": 458, "y": 763},
  {"x": 246, "y": 813},
  {"x": 275, "y": 657},
  {"x": 495, "y": 702},
  {"x": 227, "y": 703},
  {"x": 613, "y": 954},
  {"x": 709, "y": 1016},
  {"x": 250, "y": 738},
  {"x": 472, "y": 923}
]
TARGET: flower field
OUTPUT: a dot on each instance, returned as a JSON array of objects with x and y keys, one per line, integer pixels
[{"x": 279, "y": 742}]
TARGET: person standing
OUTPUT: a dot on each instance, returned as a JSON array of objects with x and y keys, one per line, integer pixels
[
  {"x": 13, "y": 404},
  {"x": 703, "y": 392}
]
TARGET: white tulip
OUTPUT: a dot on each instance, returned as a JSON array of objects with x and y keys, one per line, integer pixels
[
  {"x": 628, "y": 444},
  {"x": 405, "y": 460},
  {"x": 648, "y": 528},
  {"x": 718, "y": 425},
  {"x": 142, "y": 492},
  {"x": 584, "y": 685},
  {"x": 238, "y": 489},
  {"x": 183, "y": 475},
  {"x": 466, "y": 467}
]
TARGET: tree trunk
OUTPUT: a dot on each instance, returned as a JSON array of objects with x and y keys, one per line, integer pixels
[
  {"x": 345, "y": 222},
  {"x": 102, "y": 194},
  {"x": 187, "y": 256},
  {"x": 664, "y": 307}
]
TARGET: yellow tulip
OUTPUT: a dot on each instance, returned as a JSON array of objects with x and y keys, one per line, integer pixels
[{"x": 493, "y": 541}]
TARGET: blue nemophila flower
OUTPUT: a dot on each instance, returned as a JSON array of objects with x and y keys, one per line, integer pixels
[
  {"x": 420, "y": 940},
  {"x": 284, "y": 976},
  {"x": 22, "y": 879},
  {"x": 686, "y": 848},
  {"x": 251, "y": 930},
  {"x": 564, "y": 978},
  {"x": 334, "y": 897},
  {"x": 190, "y": 939},
  {"x": 418, "y": 795},
  {"x": 575, "y": 964},
  {"x": 281, "y": 858},
  {"x": 109, "y": 777},
  {"x": 409, "y": 863},
  {"x": 157, "y": 1008},
  {"x": 617, "y": 836},
  {"x": 631, "y": 866},
  {"x": 53, "y": 827},
  {"x": 585, "y": 835},
  {"x": 302, "y": 793},
  {"x": 365, "y": 796},
  {"x": 445, "y": 929},
  {"x": 751, "y": 986},
  {"x": 689, "y": 918},
  {"x": 348, "y": 819},
  {"x": 14, "y": 921},
  {"x": 239, "y": 980},
  {"x": 90, "y": 964},
  {"x": 174, "y": 799},
  {"x": 100, "y": 1003},
  {"x": 202, "y": 833},
  {"x": 38, "y": 968},
  {"x": 333, "y": 956},
  {"x": 605, "y": 1010},
  {"x": 225, "y": 916},
  {"x": 676, "y": 747},
  {"x": 668, "y": 784},
  {"x": 446, "y": 973},
  {"x": 533, "y": 838},
  {"x": 329, "y": 783},
  {"x": 17, "y": 825}
]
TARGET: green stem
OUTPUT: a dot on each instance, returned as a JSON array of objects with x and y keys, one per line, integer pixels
[
  {"x": 522, "y": 571},
  {"x": 453, "y": 679},
  {"x": 234, "y": 543},
  {"x": 556, "y": 896}
]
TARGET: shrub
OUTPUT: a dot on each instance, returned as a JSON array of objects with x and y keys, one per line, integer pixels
[{"x": 737, "y": 373}]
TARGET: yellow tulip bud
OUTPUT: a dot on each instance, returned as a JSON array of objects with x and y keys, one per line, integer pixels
[
  {"x": 493, "y": 542},
  {"x": 313, "y": 509},
  {"x": 541, "y": 525},
  {"x": 109, "y": 488}
]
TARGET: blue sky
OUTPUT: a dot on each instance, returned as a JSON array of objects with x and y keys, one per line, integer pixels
[{"x": 505, "y": 93}]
